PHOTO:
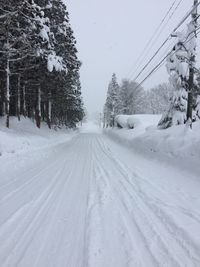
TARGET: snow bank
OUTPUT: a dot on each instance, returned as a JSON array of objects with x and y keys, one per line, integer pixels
[
  {"x": 140, "y": 123},
  {"x": 135, "y": 121},
  {"x": 24, "y": 136},
  {"x": 121, "y": 121},
  {"x": 177, "y": 141}
]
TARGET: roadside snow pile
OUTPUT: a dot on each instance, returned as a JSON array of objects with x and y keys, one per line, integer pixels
[
  {"x": 140, "y": 123},
  {"x": 121, "y": 121},
  {"x": 177, "y": 141},
  {"x": 135, "y": 121},
  {"x": 25, "y": 136}
]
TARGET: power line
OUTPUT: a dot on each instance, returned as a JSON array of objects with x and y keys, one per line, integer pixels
[
  {"x": 154, "y": 55},
  {"x": 168, "y": 20},
  {"x": 154, "y": 34},
  {"x": 179, "y": 3},
  {"x": 172, "y": 45},
  {"x": 160, "y": 64},
  {"x": 168, "y": 38},
  {"x": 168, "y": 48},
  {"x": 186, "y": 16}
]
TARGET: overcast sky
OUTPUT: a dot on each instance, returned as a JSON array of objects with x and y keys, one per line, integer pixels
[{"x": 111, "y": 34}]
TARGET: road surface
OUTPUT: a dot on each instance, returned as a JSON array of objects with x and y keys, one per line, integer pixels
[{"x": 94, "y": 203}]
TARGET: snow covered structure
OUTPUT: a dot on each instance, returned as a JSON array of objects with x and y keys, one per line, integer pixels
[{"x": 136, "y": 121}]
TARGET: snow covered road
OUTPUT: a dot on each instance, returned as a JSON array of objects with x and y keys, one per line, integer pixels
[{"x": 92, "y": 202}]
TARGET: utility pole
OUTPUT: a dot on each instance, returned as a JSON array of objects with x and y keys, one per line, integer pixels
[{"x": 191, "y": 71}]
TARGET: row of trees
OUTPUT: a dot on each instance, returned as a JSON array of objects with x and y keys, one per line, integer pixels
[
  {"x": 39, "y": 67},
  {"x": 129, "y": 98}
]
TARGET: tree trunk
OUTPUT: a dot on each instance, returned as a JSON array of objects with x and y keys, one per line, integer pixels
[
  {"x": 48, "y": 112},
  {"x": 18, "y": 97},
  {"x": 8, "y": 94},
  {"x": 38, "y": 109},
  {"x": 24, "y": 111},
  {"x": 192, "y": 65},
  {"x": 190, "y": 93}
]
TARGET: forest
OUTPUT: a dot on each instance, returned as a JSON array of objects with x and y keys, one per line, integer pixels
[{"x": 39, "y": 66}]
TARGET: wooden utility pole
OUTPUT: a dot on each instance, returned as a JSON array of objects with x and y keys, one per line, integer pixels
[{"x": 191, "y": 72}]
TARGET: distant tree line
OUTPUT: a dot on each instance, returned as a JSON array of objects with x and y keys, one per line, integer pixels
[
  {"x": 129, "y": 98},
  {"x": 39, "y": 67}
]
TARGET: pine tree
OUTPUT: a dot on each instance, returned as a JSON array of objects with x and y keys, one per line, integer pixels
[
  {"x": 131, "y": 98},
  {"x": 111, "y": 106},
  {"x": 39, "y": 65},
  {"x": 124, "y": 98},
  {"x": 157, "y": 99},
  {"x": 196, "y": 97},
  {"x": 197, "y": 107},
  {"x": 14, "y": 48},
  {"x": 178, "y": 69},
  {"x": 68, "y": 80}
]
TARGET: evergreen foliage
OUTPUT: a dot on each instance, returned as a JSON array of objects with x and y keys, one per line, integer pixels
[
  {"x": 127, "y": 98},
  {"x": 111, "y": 105},
  {"x": 178, "y": 66},
  {"x": 39, "y": 67}
]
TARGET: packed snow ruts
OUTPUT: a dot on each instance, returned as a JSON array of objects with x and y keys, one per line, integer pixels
[{"x": 99, "y": 210}]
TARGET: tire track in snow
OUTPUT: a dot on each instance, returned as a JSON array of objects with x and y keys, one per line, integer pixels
[
  {"x": 117, "y": 235},
  {"x": 63, "y": 239},
  {"x": 91, "y": 210},
  {"x": 181, "y": 244},
  {"x": 105, "y": 237},
  {"x": 32, "y": 173},
  {"x": 176, "y": 232},
  {"x": 28, "y": 193},
  {"x": 41, "y": 206},
  {"x": 53, "y": 218},
  {"x": 94, "y": 243},
  {"x": 114, "y": 238},
  {"x": 130, "y": 225}
]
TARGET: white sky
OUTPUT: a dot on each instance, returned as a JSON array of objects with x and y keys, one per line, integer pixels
[{"x": 111, "y": 34}]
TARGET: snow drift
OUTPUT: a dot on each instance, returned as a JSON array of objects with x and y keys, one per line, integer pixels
[
  {"x": 136, "y": 121},
  {"x": 177, "y": 141},
  {"x": 24, "y": 136}
]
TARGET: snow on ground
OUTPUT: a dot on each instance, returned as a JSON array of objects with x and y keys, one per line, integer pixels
[
  {"x": 91, "y": 202},
  {"x": 90, "y": 127},
  {"x": 137, "y": 121},
  {"x": 140, "y": 123},
  {"x": 177, "y": 142},
  {"x": 24, "y": 136},
  {"x": 24, "y": 145}
]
